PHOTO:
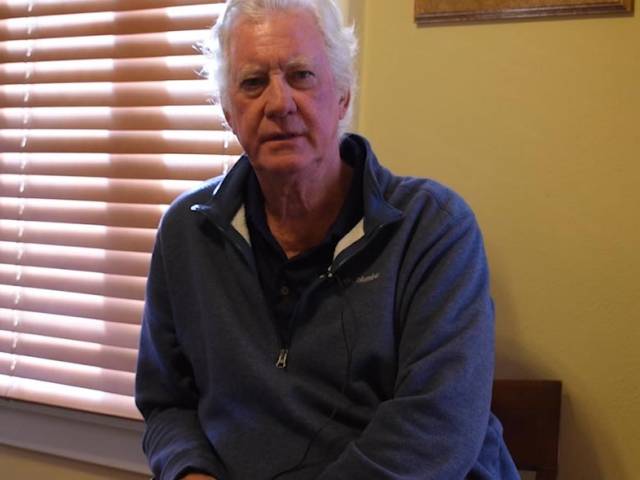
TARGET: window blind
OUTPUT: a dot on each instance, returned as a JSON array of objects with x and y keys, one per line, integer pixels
[{"x": 104, "y": 119}]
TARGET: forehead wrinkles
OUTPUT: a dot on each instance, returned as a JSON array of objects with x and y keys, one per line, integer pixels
[{"x": 291, "y": 31}]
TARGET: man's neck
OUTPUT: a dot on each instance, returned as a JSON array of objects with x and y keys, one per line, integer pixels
[{"x": 301, "y": 209}]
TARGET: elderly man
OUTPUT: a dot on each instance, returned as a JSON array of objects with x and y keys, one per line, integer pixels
[{"x": 310, "y": 315}]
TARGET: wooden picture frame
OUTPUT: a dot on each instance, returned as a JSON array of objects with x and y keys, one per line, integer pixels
[{"x": 428, "y": 12}]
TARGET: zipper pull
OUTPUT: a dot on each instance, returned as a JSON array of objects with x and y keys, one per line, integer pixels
[{"x": 282, "y": 358}]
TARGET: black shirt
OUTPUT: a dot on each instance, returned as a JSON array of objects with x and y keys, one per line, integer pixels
[{"x": 284, "y": 279}]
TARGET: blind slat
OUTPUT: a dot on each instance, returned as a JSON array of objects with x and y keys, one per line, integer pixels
[
  {"x": 100, "y": 23},
  {"x": 74, "y": 235},
  {"x": 94, "y": 213},
  {"x": 71, "y": 304},
  {"x": 139, "y": 45},
  {"x": 94, "y": 189},
  {"x": 105, "y": 94},
  {"x": 142, "y": 166},
  {"x": 171, "y": 141},
  {"x": 76, "y": 258},
  {"x": 70, "y": 351},
  {"x": 76, "y": 398},
  {"x": 64, "y": 373},
  {"x": 72, "y": 328},
  {"x": 24, "y": 8},
  {"x": 120, "y": 286},
  {"x": 177, "y": 117},
  {"x": 103, "y": 70}
]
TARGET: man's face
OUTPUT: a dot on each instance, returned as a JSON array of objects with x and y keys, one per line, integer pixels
[{"x": 283, "y": 103}]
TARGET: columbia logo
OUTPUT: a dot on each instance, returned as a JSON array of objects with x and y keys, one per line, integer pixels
[{"x": 367, "y": 278}]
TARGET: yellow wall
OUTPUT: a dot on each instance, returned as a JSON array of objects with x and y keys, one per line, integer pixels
[
  {"x": 537, "y": 125},
  {"x": 16, "y": 464}
]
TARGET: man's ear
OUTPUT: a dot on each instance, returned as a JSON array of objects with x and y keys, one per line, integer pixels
[
  {"x": 343, "y": 103},
  {"x": 227, "y": 118}
]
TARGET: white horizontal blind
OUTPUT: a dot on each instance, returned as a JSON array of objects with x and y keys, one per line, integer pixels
[{"x": 103, "y": 121}]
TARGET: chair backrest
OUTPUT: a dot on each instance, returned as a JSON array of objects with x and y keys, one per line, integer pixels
[{"x": 529, "y": 411}]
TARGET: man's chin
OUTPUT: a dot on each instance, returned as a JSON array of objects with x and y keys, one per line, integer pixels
[{"x": 282, "y": 162}]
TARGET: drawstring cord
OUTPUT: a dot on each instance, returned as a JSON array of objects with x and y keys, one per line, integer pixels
[{"x": 347, "y": 379}]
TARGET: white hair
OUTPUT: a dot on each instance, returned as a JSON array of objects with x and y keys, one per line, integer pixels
[{"x": 340, "y": 42}]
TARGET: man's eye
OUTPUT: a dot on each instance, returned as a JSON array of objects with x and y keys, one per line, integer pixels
[
  {"x": 304, "y": 74},
  {"x": 252, "y": 83},
  {"x": 302, "y": 77}
]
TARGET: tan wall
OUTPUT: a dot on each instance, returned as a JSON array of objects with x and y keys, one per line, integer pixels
[
  {"x": 16, "y": 464},
  {"x": 537, "y": 124}
]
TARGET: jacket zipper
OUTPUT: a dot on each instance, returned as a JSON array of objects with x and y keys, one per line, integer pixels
[
  {"x": 283, "y": 354},
  {"x": 285, "y": 337}
]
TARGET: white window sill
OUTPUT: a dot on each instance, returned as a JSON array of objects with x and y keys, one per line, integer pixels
[{"x": 98, "y": 439}]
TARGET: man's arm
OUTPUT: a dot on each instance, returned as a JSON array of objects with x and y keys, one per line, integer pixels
[
  {"x": 436, "y": 422},
  {"x": 165, "y": 390}
]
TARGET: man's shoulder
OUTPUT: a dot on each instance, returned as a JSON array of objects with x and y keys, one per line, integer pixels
[
  {"x": 410, "y": 193},
  {"x": 181, "y": 206},
  {"x": 427, "y": 196}
]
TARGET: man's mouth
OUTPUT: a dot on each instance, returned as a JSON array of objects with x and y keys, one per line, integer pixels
[{"x": 276, "y": 137}]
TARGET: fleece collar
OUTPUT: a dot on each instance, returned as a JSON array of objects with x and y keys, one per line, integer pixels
[{"x": 225, "y": 207}]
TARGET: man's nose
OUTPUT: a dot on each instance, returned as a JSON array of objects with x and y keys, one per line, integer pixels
[{"x": 279, "y": 98}]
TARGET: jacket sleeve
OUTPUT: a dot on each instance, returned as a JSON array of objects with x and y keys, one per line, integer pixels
[
  {"x": 174, "y": 441},
  {"x": 435, "y": 424}
]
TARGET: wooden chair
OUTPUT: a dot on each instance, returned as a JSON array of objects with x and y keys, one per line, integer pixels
[{"x": 529, "y": 411}]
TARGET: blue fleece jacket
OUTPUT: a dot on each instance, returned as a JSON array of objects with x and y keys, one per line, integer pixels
[{"x": 389, "y": 361}]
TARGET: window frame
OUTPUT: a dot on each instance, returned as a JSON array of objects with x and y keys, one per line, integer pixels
[{"x": 74, "y": 434}]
